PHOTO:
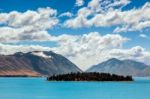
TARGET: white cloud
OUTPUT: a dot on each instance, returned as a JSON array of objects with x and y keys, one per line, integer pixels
[
  {"x": 105, "y": 5},
  {"x": 7, "y": 49},
  {"x": 135, "y": 19},
  {"x": 120, "y": 3},
  {"x": 92, "y": 48},
  {"x": 12, "y": 35},
  {"x": 29, "y": 25},
  {"x": 43, "y": 18},
  {"x": 67, "y": 14},
  {"x": 79, "y": 2},
  {"x": 87, "y": 49},
  {"x": 94, "y": 4},
  {"x": 136, "y": 53},
  {"x": 84, "y": 50},
  {"x": 143, "y": 36},
  {"x": 80, "y": 20},
  {"x": 104, "y": 14}
]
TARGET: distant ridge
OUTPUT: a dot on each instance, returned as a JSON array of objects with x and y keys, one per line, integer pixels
[
  {"x": 36, "y": 63},
  {"x": 122, "y": 67}
]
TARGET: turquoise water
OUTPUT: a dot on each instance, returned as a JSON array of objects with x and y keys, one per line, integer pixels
[{"x": 39, "y": 88}]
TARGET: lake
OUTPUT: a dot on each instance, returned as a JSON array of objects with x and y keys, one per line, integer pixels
[{"x": 39, "y": 88}]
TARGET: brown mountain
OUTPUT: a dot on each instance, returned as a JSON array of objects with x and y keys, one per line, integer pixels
[{"x": 35, "y": 63}]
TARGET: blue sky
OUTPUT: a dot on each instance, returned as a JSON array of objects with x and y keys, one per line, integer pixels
[
  {"x": 130, "y": 20},
  {"x": 69, "y": 5},
  {"x": 61, "y": 6}
]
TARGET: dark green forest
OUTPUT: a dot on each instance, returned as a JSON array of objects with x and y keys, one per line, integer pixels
[{"x": 89, "y": 76}]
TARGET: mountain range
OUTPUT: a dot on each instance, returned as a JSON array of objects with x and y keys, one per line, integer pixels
[
  {"x": 47, "y": 63},
  {"x": 121, "y": 67},
  {"x": 36, "y": 63}
]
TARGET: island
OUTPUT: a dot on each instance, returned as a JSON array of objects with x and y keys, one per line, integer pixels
[{"x": 89, "y": 76}]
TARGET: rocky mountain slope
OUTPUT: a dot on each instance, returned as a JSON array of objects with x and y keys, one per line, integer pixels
[
  {"x": 35, "y": 63},
  {"x": 125, "y": 67}
]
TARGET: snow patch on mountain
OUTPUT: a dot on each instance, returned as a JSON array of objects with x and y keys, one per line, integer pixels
[{"x": 41, "y": 54}]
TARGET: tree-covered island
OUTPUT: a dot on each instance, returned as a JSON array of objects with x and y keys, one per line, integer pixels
[{"x": 89, "y": 76}]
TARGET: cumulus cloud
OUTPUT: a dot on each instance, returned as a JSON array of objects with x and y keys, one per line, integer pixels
[
  {"x": 135, "y": 19},
  {"x": 29, "y": 25},
  {"x": 7, "y": 49},
  {"x": 84, "y": 50},
  {"x": 92, "y": 48},
  {"x": 87, "y": 49},
  {"x": 66, "y": 14},
  {"x": 79, "y": 2},
  {"x": 106, "y": 13},
  {"x": 12, "y": 35},
  {"x": 105, "y": 5},
  {"x": 136, "y": 53},
  {"x": 43, "y": 18},
  {"x": 118, "y": 3}
]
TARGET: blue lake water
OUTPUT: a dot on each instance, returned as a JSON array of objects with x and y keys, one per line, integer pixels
[{"x": 39, "y": 88}]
